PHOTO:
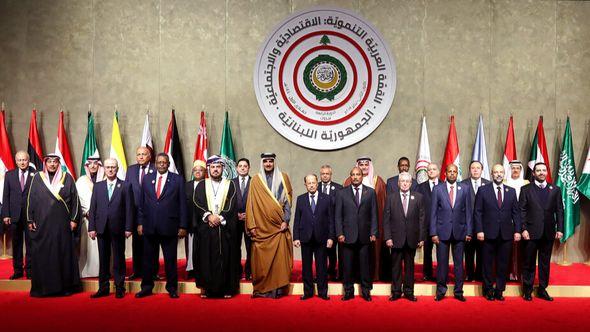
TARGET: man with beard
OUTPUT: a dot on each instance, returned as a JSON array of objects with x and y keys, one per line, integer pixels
[
  {"x": 53, "y": 214},
  {"x": 380, "y": 264},
  {"x": 541, "y": 208},
  {"x": 199, "y": 169},
  {"x": 88, "y": 260},
  {"x": 268, "y": 212},
  {"x": 218, "y": 250},
  {"x": 497, "y": 223},
  {"x": 14, "y": 215}
]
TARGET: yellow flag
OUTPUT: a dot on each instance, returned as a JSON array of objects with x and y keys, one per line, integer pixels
[{"x": 117, "y": 150}]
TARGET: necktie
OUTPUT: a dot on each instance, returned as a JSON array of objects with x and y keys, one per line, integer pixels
[
  {"x": 324, "y": 188},
  {"x": 159, "y": 187},
  {"x": 476, "y": 186},
  {"x": 432, "y": 184},
  {"x": 243, "y": 185},
  {"x": 452, "y": 196},
  {"x": 499, "y": 196},
  {"x": 22, "y": 181},
  {"x": 542, "y": 186},
  {"x": 312, "y": 203},
  {"x": 111, "y": 190},
  {"x": 141, "y": 174},
  {"x": 405, "y": 204},
  {"x": 356, "y": 196}
]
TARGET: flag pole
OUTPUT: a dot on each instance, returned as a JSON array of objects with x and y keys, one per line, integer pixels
[
  {"x": 564, "y": 260},
  {"x": 4, "y": 255}
]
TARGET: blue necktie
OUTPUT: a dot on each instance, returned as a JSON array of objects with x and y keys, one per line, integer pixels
[
  {"x": 111, "y": 190},
  {"x": 312, "y": 204}
]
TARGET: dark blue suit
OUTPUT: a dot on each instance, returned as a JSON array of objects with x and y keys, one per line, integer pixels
[
  {"x": 132, "y": 177},
  {"x": 161, "y": 219},
  {"x": 241, "y": 205},
  {"x": 473, "y": 254},
  {"x": 110, "y": 219},
  {"x": 452, "y": 224},
  {"x": 313, "y": 228},
  {"x": 331, "y": 190},
  {"x": 14, "y": 205},
  {"x": 424, "y": 189},
  {"x": 498, "y": 223}
]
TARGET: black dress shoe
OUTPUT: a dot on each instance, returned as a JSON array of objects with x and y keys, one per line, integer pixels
[
  {"x": 411, "y": 297},
  {"x": 305, "y": 297},
  {"x": 439, "y": 297},
  {"x": 100, "y": 293},
  {"x": 367, "y": 297},
  {"x": 498, "y": 296},
  {"x": 324, "y": 297},
  {"x": 489, "y": 295},
  {"x": 143, "y": 293},
  {"x": 527, "y": 297},
  {"x": 173, "y": 294},
  {"x": 119, "y": 294},
  {"x": 544, "y": 296},
  {"x": 394, "y": 297},
  {"x": 134, "y": 276},
  {"x": 460, "y": 297},
  {"x": 16, "y": 276},
  {"x": 347, "y": 296}
]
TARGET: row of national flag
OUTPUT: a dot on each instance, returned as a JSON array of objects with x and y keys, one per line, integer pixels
[
  {"x": 566, "y": 176},
  {"x": 172, "y": 146}
]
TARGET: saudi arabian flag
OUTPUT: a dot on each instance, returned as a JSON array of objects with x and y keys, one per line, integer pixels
[
  {"x": 90, "y": 146},
  {"x": 566, "y": 181},
  {"x": 584, "y": 184},
  {"x": 226, "y": 150}
]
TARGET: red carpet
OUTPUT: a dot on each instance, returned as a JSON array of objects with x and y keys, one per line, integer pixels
[
  {"x": 288, "y": 314},
  {"x": 576, "y": 274}
]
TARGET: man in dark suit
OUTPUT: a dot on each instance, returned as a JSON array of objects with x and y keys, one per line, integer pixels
[
  {"x": 134, "y": 176},
  {"x": 16, "y": 188},
  {"x": 425, "y": 189},
  {"x": 541, "y": 208},
  {"x": 162, "y": 220},
  {"x": 242, "y": 182},
  {"x": 497, "y": 223},
  {"x": 473, "y": 261},
  {"x": 190, "y": 243},
  {"x": 404, "y": 228},
  {"x": 450, "y": 226},
  {"x": 110, "y": 218},
  {"x": 403, "y": 165},
  {"x": 356, "y": 227},
  {"x": 313, "y": 231},
  {"x": 328, "y": 187}
]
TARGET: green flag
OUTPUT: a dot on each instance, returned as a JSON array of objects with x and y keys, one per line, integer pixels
[
  {"x": 90, "y": 146},
  {"x": 584, "y": 184},
  {"x": 566, "y": 181},
  {"x": 226, "y": 150}
]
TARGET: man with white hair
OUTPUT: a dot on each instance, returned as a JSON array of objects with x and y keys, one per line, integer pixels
[{"x": 268, "y": 212}]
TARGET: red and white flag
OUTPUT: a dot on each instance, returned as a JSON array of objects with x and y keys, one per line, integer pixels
[
  {"x": 6, "y": 161},
  {"x": 202, "y": 143},
  {"x": 62, "y": 148},
  {"x": 451, "y": 155},
  {"x": 510, "y": 149}
]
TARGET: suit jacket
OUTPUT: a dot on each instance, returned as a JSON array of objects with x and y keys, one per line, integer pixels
[
  {"x": 541, "y": 220},
  {"x": 393, "y": 186},
  {"x": 356, "y": 223},
  {"x": 318, "y": 225},
  {"x": 446, "y": 220},
  {"x": 132, "y": 176},
  {"x": 164, "y": 215},
  {"x": 14, "y": 200},
  {"x": 467, "y": 182},
  {"x": 424, "y": 189},
  {"x": 496, "y": 222},
  {"x": 241, "y": 200},
  {"x": 400, "y": 228},
  {"x": 116, "y": 214},
  {"x": 334, "y": 188}
]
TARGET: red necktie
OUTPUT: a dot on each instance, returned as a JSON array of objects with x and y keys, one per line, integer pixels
[
  {"x": 159, "y": 187},
  {"x": 141, "y": 174},
  {"x": 499, "y": 197},
  {"x": 452, "y": 196}
]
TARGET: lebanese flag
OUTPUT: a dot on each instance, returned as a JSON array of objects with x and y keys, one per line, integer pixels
[
  {"x": 510, "y": 149},
  {"x": 539, "y": 152},
  {"x": 201, "y": 145},
  {"x": 451, "y": 155},
  {"x": 146, "y": 137},
  {"x": 34, "y": 146},
  {"x": 6, "y": 161},
  {"x": 172, "y": 148},
  {"x": 62, "y": 148}
]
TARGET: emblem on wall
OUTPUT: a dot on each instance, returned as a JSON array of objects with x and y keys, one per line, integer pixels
[{"x": 324, "y": 78}]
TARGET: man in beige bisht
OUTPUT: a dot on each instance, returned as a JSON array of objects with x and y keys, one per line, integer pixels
[
  {"x": 268, "y": 211},
  {"x": 88, "y": 259}
]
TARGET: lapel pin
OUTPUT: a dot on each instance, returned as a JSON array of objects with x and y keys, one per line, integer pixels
[
  {"x": 118, "y": 185},
  {"x": 458, "y": 188},
  {"x": 550, "y": 187},
  {"x": 332, "y": 188},
  {"x": 506, "y": 189},
  {"x": 412, "y": 197},
  {"x": 151, "y": 170},
  {"x": 153, "y": 181},
  {"x": 31, "y": 174}
]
